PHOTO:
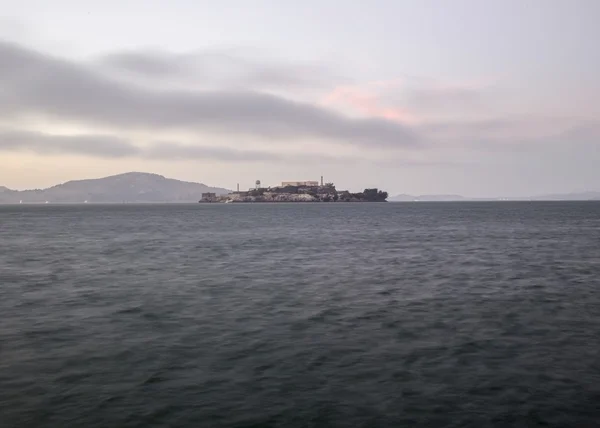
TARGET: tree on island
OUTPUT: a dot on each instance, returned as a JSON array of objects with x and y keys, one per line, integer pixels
[
  {"x": 374, "y": 195},
  {"x": 368, "y": 195}
]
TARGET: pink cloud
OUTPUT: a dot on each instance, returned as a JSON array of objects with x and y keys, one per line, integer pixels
[
  {"x": 372, "y": 98},
  {"x": 364, "y": 100}
]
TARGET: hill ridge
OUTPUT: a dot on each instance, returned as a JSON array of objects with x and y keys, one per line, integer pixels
[{"x": 124, "y": 187}]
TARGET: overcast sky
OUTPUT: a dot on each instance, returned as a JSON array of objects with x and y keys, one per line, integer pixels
[{"x": 480, "y": 98}]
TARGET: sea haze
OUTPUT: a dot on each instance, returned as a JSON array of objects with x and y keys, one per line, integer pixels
[{"x": 300, "y": 315}]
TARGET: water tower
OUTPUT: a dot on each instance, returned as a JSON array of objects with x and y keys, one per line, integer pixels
[{"x": 257, "y": 184}]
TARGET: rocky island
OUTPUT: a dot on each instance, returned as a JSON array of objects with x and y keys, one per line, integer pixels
[{"x": 297, "y": 191}]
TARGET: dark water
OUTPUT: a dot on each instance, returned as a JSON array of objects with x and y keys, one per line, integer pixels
[{"x": 317, "y": 315}]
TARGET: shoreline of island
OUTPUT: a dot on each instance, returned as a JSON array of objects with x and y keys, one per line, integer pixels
[{"x": 296, "y": 191}]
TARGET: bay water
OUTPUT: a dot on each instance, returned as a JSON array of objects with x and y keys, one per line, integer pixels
[{"x": 300, "y": 315}]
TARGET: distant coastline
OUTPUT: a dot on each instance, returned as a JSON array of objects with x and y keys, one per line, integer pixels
[
  {"x": 140, "y": 187},
  {"x": 582, "y": 196}
]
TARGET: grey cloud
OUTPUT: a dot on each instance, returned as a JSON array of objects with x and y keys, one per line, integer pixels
[
  {"x": 106, "y": 146},
  {"x": 227, "y": 67},
  {"x": 428, "y": 94},
  {"x": 144, "y": 63},
  {"x": 489, "y": 135},
  {"x": 430, "y": 98},
  {"x": 174, "y": 151},
  {"x": 32, "y": 83},
  {"x": 95, "y": 145},
  {"x": 499, "y": 130},
  {"x": 587, "y": 132},
  {"x": 403, "y": 163},
  {"x": 473, "y": 127}
]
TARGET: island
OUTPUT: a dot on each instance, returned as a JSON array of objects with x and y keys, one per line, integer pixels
[{"x": 297, "y": 191}]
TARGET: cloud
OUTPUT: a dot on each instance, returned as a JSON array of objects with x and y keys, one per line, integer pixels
[
  {"x": 149, "y": 64},
  {"x": 107, "y": 146},
  {"x": 369, "y": 103},
  {"x": 35, "y": 84},
  {"x": 219, "y": 68},
  {"x": 411, "y": 100},
  {"x": 175, "y": 151},
  {"x": 585, "y": 132},
  {"x": 444, "y": 97},
  {"x": 510, "y": 131},
  {"x": 89, "y": 145}
]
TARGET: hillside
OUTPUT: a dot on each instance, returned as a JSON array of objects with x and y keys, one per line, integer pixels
[{"x": 129, "y": 187}]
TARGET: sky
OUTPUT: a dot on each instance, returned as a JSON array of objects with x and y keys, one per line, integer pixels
[{"x": 479, "y": 98}]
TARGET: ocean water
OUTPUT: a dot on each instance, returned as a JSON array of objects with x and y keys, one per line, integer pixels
[{"x": 300, "y": 315}]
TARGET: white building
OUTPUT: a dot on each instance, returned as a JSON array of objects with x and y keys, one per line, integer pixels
[{"x": 300, "y": 183}]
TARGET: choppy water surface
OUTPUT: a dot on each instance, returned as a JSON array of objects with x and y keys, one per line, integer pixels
[{"x": 317, "y": 315}]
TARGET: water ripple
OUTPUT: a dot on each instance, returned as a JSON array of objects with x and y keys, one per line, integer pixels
[{"x": 386, "y": 315}]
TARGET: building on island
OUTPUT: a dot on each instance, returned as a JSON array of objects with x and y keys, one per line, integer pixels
[
  {"x": 296, "y": 191},
  {"x": 300, "y": 183}
]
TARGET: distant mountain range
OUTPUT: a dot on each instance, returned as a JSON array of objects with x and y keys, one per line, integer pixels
[
  {"x": 584, "y": 196},
  {"x": 129, "y": 187}
]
